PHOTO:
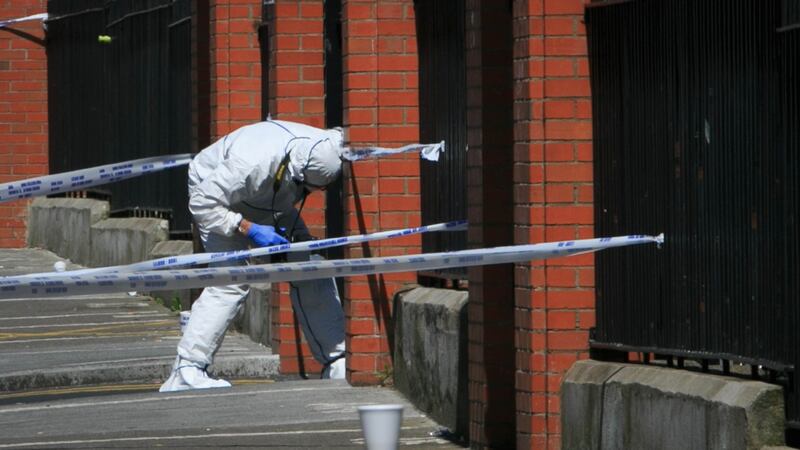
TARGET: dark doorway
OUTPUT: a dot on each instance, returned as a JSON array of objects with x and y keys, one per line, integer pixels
[
  {"x": 123, "y": 98},
  {"x": 442, "y": 117}
]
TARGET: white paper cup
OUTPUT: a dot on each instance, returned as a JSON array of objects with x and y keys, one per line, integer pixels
[
  {"x": 184, "y": 320},
  {"x": 381, "y": 425}
]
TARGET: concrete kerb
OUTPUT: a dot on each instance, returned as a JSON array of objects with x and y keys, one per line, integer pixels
[
  {"x": 136, "y": 373},
  {"x": 155, "y": 371},
  {"x": 612, "y": 405}
]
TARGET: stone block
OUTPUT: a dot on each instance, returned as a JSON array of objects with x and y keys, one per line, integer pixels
[
  {"x": 640, "y": 406},
  {"x": 63, "y": 226},
  {"x": 125, "y": 241},
  {"x": 430, "y": 353},
  {"x": 582, "y": 401}
]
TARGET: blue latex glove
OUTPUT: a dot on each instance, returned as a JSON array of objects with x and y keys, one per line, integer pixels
[{"x": 265, "y": 235}]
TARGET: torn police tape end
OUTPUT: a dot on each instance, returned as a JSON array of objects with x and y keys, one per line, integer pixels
[
  {"x": 66, "y": 285},
  {"x": 236, "y": 255},
  {"x": 429, "y": 152},
  {"x": 87, "y": 178}
]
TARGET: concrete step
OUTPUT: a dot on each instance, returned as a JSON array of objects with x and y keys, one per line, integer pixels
[{"x": 87, "y": 340}]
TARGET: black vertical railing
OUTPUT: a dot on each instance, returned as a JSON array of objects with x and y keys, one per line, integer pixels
[
  {"x": 442, "y": 111},
  {"x": 695, "y": 116},
  {"x": 334, "y": 115},
  {"x": 790, "y": 12},
  {"x": 264, "y": 28},
  {"x": 120, "y": 88},
  {"x": 790, "y": 133}
]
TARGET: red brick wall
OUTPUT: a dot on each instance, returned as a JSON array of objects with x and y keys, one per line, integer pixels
[
  {"x": 554, "y": 298},
  {"x": 23, "y": 110},
  {"x": 380, "y": 101},
  {"x": 297, "y": 93},
  {"x": 235, "y": 61},
  {"x": 297, "y": 88}
]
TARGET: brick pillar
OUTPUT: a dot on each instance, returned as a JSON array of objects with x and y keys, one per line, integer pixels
[
  {"x": 235, "y": 61},
  {"x": 297, "y": 88},
  {"x": 381, "y": 107},
  {"x": 297, "y": 93},
  {"x": 553, "y": 201},
  {"x": 23, "y": 111},
  {"x": 490, "y": 212}
]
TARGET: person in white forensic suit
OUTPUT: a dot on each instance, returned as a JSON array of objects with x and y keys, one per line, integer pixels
[{"x": 242, "y": 192}]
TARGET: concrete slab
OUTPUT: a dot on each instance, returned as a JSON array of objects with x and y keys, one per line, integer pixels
[{"x": 82, "y": 340}]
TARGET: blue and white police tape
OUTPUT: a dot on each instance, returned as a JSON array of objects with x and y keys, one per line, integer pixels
[
  {"x": 428, "y": 152},
  {"x": 40, "y": 16},
  {"x": 65, "y": 285},
  {"x": 100, "y": 175},
  {"x": 221, "y": 257},
  {"x": 86, "y": 178}
]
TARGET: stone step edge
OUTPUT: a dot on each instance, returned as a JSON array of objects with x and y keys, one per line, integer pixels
[{"x": 254, "y": 366}]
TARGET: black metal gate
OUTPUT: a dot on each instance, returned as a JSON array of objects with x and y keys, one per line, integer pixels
[
  {"x": 334, "y": 117},
  {"x": 442, "y": 116},
  {"x": 120, "y": 88},
  {"x": 696, "y": 111}
]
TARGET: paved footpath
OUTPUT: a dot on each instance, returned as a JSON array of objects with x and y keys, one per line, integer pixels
[
  {"x": 83, "y": 372},
  {"x": 284, "y": 414}
]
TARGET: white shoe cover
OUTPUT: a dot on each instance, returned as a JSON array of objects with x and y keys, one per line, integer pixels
[
  {"x": 337, "y": 370},
  {"x": 185, "y": 376}
]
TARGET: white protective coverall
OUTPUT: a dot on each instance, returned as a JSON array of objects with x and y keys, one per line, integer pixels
[{"x": 234, "y": 178}]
